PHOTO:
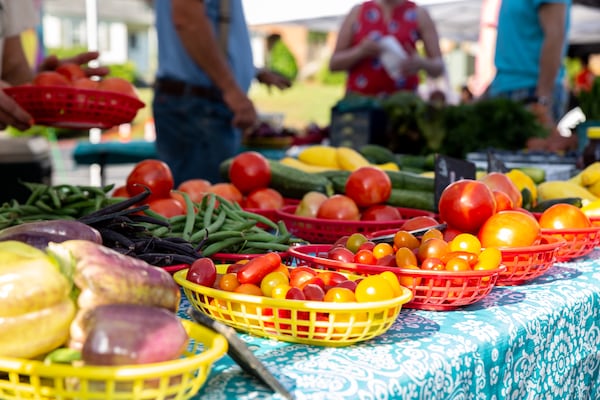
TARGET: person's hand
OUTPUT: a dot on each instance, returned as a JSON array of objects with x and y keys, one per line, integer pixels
[
  {"x": 50, "y": 63},
  {"x": 369, "y": 48},
  {"x": 11, "y": 113},
  {"x": 272, "y": 78},
  {"x": 244, "y": 113},
  {"x": 411, "y": 65}
]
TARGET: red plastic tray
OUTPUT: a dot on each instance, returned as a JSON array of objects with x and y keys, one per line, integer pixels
[
  {"x": 318, "y": 230},
  {"x": 432, "y": 290},
  {"x": 232, "y": 258},
  {"x": 579, "y": 241},
  {"x": 68, "y": 107},
  {"x": 526, "y": 263}
]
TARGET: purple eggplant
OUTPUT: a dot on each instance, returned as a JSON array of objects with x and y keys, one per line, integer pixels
[
  {"x": 126, "y": 334},
  {"x": 40, "y": 233}
]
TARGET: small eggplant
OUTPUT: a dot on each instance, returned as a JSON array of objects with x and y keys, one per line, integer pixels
[
  {"x": 126, "y": 334},
  {"x": 40, "y": 233}
]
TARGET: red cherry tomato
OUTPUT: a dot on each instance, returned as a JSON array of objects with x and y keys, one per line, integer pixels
[
  {"x": 195, "y": 188},
  {"x": 339, "y": 207},
  {"x": 257, "y": 268},
  {"x": 381, "y": 212},
  {"x": 264, "y": 199},
  {"x": 466, "y": 204},
  {"x": 153, "y": 174},
  {"x": 202, "y": 272},
  {"x": 71, "y": 71},
  {"x": 300, "y": 275},
  {"x": 120, "y": 191},
  {"x": 509, "y": 229},
  {"x": 250, "y": 170},
  {"x": 365, "y": 257},
  {"x": 167, "y": 207},
  {"x": 368, "y": 186}
]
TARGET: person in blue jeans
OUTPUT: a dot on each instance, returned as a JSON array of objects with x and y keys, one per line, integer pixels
[
  {"x": 530, "y": 49},
  {"x": 205, "y": 68}
]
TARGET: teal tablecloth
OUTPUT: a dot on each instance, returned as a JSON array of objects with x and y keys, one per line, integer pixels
[{"x": 536, "y": 341}]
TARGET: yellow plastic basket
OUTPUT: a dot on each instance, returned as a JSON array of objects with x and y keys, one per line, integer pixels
[
  {"x": 308, "y": 322},
  {"x": 177, "y": 379}
]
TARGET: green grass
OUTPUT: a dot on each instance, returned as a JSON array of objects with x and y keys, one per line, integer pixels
[{"x": 301, "y": 104}]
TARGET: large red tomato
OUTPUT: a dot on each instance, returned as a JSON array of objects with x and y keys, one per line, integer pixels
[
  {"x": 509, "y": 228},
  {"x": 381, "y": 212},
  {"x": 340, "y": 207},
  {"x": 368, "y": 186},
  {"x": 466, "y": 204},
  {"x": 564, "y": 216},
  {"x": 168, "y": 208},
  {"x": 418, "y": 222},
  {"x": 250, "y": 170},
  {"x": 153, "y": 174},
  {"x": 264, "y": 199},
  {"x": 195, "y": 188},
  {"x": 501, "y": 182}
]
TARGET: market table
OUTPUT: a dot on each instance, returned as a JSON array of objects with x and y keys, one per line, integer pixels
[{"x": 540, "y": 340}]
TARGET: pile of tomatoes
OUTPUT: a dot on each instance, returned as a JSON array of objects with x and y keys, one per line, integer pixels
[{"x": 266, "y": 275}]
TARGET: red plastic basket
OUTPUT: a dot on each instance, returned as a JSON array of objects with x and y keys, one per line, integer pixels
[
  {"x": 432, "y": 290},
  {"x": 526, "y": 263},
  {"x": 318, "y": 230},
  {"x": 232, "y": 258},
  {"x": 579, "y": 241},
  {"x": 272, "y": 213},
  {"x": 69, "y": 107}
]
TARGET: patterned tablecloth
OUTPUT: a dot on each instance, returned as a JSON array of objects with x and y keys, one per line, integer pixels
[{"x": 536, "y": 341}]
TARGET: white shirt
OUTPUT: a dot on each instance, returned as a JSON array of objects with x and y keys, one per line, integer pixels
[{"x": 16, "y": 16}]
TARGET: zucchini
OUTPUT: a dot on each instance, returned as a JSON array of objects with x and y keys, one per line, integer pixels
[
  {"x": 294, "y": 184},
  {"x": 377, "y": 154},
  {"x": 544, "y": 205},
  {"x": 411, "y": 180},
  {"x": 419, "y": 199}
]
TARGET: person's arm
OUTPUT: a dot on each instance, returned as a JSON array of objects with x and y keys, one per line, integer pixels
[
  {"x": 552, "y": 19},
  {"x": 433, "y": 64},
  {"x": 345, "y": 56},
  {"x": 195, "y": 31},
  {"x": 15, "y": 71}
]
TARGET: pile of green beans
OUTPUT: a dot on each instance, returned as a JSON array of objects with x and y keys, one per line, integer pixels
[
  {"x": 216, "y": 225},
  {"x": 47, "y": 202}
]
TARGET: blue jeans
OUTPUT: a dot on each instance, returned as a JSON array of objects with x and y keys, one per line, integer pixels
[
  {"x": 194, "y": 136},
  {"x": 559, "y": 99}
]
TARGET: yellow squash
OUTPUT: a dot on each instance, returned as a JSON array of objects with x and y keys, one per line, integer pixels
[
  {"x": 320, "y": 155},
  {"x": 349, "y": 159}
]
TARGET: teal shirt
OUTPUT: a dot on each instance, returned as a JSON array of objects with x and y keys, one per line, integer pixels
[
  {"x": 175, "y": 63},
  {"x": 519, "y": 44}
]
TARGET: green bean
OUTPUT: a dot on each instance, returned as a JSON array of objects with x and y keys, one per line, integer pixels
[
  {"x": 36, "y": 193},
  {"x": 217, "y": 223},
  {"x": 238, "y": 225},
  {"x": 43, "y": 206},
  {"x": 219, "y": 246},
  {"x": 208, "y": 211},
  {"x": 215, "y": 237},
  {"x": 161, "y": 231},
  {"x": 258, "y": 218},
  {"x": 190, "y": 216}
]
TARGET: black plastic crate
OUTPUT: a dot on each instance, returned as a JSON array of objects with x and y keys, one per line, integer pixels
[{"x": 356, "y": 128}]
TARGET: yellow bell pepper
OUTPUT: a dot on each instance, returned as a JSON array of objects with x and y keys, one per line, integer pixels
[{"x": 523, "y": 181}]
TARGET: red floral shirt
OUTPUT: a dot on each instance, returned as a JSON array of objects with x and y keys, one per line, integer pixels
[{"x": 368, "y": 76}]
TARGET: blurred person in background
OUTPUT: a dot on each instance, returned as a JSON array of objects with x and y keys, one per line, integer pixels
[
  {"x": 16, "y": 17},
  {"x": 377, "y": 29},
  {"x": 205, "y": 68}
]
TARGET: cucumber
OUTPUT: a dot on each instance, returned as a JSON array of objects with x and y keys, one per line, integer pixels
[
  {"x": 411, "y": 180},
  {"x": 377, "y": 154},
  {"x": 294, "y": 184},
  {"x": 419, "y": 199},
  {"x": 544, "y": 205}
]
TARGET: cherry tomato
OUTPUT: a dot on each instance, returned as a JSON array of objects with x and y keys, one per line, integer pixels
[
  {"x": 271, "y": 280},
  {"x": 339, "y": 295},
  {"x": 313, "y": 292},
  {"x": 389, "y": 260},
  {"x": 249, "y": 288},
  {"x": 368, "y": 186},
  {"x": 340, "y": 253},
  {"x": 509, "y": 228},
  {"x": 433, "y": 264},
  {"x": 331, "y": 278},
  {"x": 466, "y": 204},
  {"x": 153, "y": 174},
  {"x": 433, "y": 247},
  {"x": 365, "y": 257},
  {"x": 489, "y": 258},
  {"x": 392, "y": 279},
  {"x": 257, "y": 268},
  {"x": 228, "y": 191},
  {"x": 564, "y": 216},
  {"x": 381, "y": 212},
  {"x": 405, "y": 257},
  {"x": 373, "y": 288},
  {"x": 168, "y": 207},
  {"x": 457, "y": 264},
  {"x": 195, "y": 188},
  {"x": 432, "y": 233},
  {"x": 404, "y": 238},
  {"x": 300, "y": 275},
  {"x": 466, "y": 242},
  {"x": 503, "y": 202},
  {"x": 382, "y": 249},
  {"x": 229, "y": 282},
  {"x": 407, "y": 280},
  {"x": 280, "y": 291},
  {"x": 355, "y": 241},
  {"x": 250, "y": 170},
  {"x": 120, "y": 191},
  {"x": 264, "y": 199},
  {"x": 501, "y": 182},
  {"x": 202, "y": 272},
  {"x": 339, "y": 207},
  {"x": 470, "y": 258}
]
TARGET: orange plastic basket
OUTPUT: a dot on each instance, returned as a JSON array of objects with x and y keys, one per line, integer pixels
[
  {"x": 579, "y": 241},
  {"x": 309, "y": 322},
  {"x": 177, "y": 379},
  {"x": 319, "y": 230},
  {"x": 69, "y": 107},
  {"x": 526, "y": 263},
  {"x": 432, "y": 290}
]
